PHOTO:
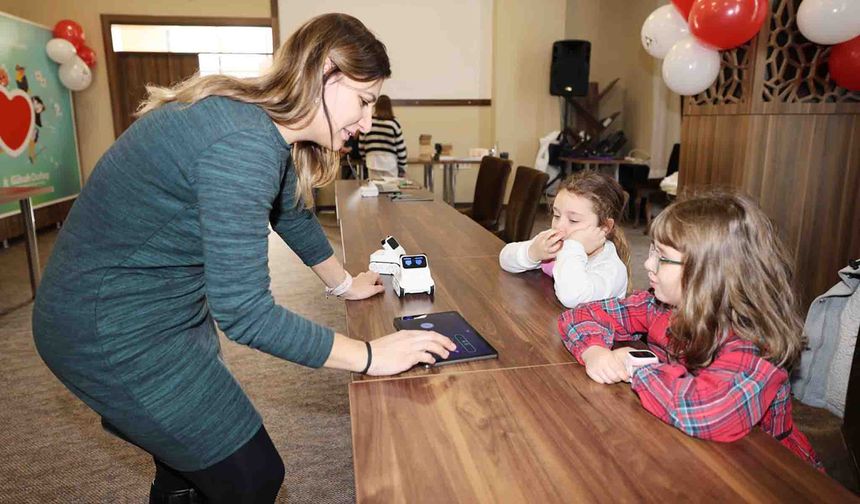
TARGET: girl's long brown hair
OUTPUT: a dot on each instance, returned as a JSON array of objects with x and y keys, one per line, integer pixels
[
  {"x": 737, "y": 277},
  {"x": 608, "y": 200},
  {"x": 292, "y": 89},
  {"x": 382, "y": 108}
]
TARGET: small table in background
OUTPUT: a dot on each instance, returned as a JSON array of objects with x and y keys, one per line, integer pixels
[
  {"x": 450, "y": 165},
  {"x": 614, "y": 163},
  {"x": 22, "y": 195}
]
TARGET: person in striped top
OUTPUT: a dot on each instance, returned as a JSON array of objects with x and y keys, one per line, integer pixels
[
  {"x": 721, "y": 317},
  {"x": 383, "y": 147}
]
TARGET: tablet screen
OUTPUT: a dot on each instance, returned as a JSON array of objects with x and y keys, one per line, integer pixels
[{"x": 470, "y": 344}]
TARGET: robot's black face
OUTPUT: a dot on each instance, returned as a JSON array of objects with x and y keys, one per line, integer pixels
[{"x": 411, "y": 262}]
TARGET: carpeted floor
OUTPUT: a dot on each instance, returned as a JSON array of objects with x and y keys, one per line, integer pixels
[{"x": 52, "y": 448}]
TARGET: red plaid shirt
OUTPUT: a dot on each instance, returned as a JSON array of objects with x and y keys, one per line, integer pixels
[{"x": 722, "y": 402}]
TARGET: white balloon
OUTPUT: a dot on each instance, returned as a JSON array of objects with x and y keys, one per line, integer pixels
[
  {"x": 690, "y": 67},
  {"x": 75, "y": 74},
  {"x": 60, "y": 50},
  {"x": 829, "y": 22},
  {"x": 662, "y": 30}
]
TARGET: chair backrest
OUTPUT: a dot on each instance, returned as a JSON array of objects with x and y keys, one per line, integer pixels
[
  {"x": 490, "y": 190},
  {"x": 674, "y": 159},
  {"x": 523, "y": 204}
]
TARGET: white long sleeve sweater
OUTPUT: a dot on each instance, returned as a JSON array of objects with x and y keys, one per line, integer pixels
[{"x": 578, "y": 278}]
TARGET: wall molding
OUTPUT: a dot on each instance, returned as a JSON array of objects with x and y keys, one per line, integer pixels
[{"x": 432, "y": 102}]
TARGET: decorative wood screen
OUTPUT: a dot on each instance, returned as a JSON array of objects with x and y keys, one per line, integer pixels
[{"x": 780, "y": 71}]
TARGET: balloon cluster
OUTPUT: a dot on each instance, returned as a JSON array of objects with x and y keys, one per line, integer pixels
[
  {"x": 689, "y": 34},
  {"x": 76, "y": 60},
  {"x": 836, "y": 23}
]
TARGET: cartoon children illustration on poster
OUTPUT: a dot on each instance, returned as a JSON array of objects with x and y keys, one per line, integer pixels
[
  {"x": 23, "y": 84},
  {"x": 38, "y": 145},
  {"x": 21, "y": 79},
  {"x": 38, "y": 108}
]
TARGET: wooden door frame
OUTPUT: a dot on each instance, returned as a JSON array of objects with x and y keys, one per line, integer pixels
[{"x": 111, "y": 57}]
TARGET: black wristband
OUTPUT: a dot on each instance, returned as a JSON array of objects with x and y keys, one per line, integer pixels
[{"x": 369, "y": 358}]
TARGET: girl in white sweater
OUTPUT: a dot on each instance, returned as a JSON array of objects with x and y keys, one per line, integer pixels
[{"x": 584, "y": 251}]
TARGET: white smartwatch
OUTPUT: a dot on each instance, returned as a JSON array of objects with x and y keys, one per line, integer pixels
[{"x": 638, "y": 358}]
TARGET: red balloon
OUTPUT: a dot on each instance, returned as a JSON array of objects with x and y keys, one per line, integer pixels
[
  {"x": 724, "y": 24},
  {"x": 71, "y": 31},
  {"x": 844, "y": 64},
  {"x": 684, "y": 7},
  {"x": 88, "y": 55}
]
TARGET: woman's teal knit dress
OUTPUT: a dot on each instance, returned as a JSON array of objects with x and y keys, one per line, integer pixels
[{"x": 168, "y": 238}]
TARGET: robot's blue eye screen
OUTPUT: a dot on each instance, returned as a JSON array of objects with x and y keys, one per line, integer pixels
[{"x": 410, "y": 262}]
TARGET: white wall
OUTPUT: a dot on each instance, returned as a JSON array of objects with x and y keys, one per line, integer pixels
[
  {"x": 522, "y": 109},
  {"x": 651, "y": 116},
  {"x": 438, "y": 50}
]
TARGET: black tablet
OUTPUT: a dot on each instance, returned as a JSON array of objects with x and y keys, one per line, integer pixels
[{"x": 470, "y": 345}]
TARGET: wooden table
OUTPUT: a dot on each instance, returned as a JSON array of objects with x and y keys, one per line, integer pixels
[
  {"x": 529, "y": 426},
  {"x": 22, "y": 195},
  {"x": 450, "y": 166},
  {"x": 415, "y": 224},
  {"x": 550, "y": 434}
]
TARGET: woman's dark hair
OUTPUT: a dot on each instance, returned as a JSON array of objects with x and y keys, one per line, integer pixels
[{"x": 38, "y": 100}]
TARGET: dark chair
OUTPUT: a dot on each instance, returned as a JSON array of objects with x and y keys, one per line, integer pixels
[
  {"x": 490, "y": 192},
  {"x": 648, "y": 191},
  {"x": 523, "y": 204}
]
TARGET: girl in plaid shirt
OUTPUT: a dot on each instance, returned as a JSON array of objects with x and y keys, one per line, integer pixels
[{"x": 722, "y": 320}]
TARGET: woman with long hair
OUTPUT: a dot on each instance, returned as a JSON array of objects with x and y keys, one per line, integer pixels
[
  {"x": 170, "y": 237},
  {"x": 383, "y": 147}
]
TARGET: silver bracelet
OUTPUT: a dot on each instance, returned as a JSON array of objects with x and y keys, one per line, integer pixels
[{"x": 341, "y": 289}]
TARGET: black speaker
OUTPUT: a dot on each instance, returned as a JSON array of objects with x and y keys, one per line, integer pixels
[{"x": 568, "y": 74}]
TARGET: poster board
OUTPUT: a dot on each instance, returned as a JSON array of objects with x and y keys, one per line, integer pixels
[{"x": 38, "y": 141}]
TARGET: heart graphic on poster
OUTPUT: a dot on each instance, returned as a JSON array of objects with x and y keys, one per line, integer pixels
[{"x": 18, "y": 121}]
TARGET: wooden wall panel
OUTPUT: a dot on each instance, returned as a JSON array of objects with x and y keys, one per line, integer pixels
[
  {"x": 804, "y": 170},
  {"x": 829, "y": 209},
  {"x": 713, "y": 150},
  {"x": 136, "y": 70},
  {"x": 788, "y": 137}
]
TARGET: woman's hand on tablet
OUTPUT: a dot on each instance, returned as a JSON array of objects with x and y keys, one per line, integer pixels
[{"x": 400, "y": 351}]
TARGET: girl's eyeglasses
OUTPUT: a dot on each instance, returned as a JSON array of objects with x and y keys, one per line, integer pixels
[{"x": 653, "y": 252}]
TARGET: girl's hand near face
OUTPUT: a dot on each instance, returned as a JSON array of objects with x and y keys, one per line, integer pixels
[
  {"x": 591, "y": 237},
  {"x": 546, "y": 245}
]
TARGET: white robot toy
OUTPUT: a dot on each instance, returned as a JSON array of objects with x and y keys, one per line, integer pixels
[
  {"x": 386, "y": 261},
  {"x": 413, "y": 276}
]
